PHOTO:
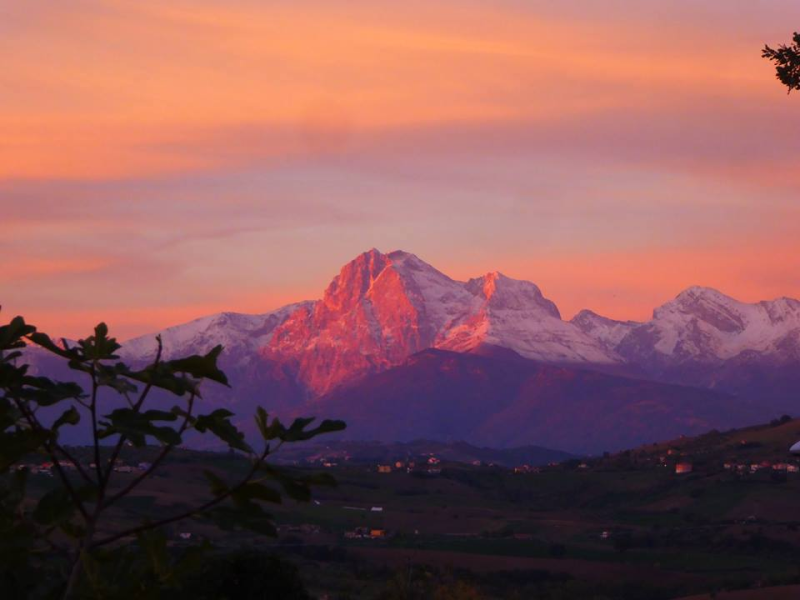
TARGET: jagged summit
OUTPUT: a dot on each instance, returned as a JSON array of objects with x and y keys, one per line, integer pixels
[
  {"x": 703, "y": 326},
  {"x": 391, "y": 326},
  {"x": 383, "y": 307}
]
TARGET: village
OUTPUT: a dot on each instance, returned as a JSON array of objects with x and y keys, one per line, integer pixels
[{"x": 46, "y": 467}]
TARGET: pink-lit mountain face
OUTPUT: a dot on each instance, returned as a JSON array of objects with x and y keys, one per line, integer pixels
[{"x": 383, "y": 310}]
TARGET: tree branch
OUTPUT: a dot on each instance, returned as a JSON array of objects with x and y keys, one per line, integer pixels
[
  {"x": 35, "y": 425},
  {"x": 136, "y": 407},
  {"x": 153, "y": 465},
  {"x": 189, "y": 513},
  {"x": 95, "y": 438},
  {"x": 74, "y": 462}
]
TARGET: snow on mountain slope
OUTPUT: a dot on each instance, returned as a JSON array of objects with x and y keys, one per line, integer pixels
[
  {"x": 703, "y": 325},
  {"x": 442, "y": 299},
  {"x": 382, "y": 308},
  {"x": 240, "y": 334},
  {"x": 607, "y": 331},
  {"x": 514, "y": 314}
]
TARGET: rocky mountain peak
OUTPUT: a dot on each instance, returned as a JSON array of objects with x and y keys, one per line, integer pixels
[
  {"x": 501, "y": 292},
  {"x": 706, "y": 305},
  {"x": 354, "y": 280}
]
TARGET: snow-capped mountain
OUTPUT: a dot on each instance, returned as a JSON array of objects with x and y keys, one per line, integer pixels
[
  {"x": 702, "y": 324},
  {"x": 242, "y": 335},
  {"x": 382, "y": 308},
  {"x": 382, "y": 312},
  {"x": 705, "y": 338},
  {"x": 606, "y": 331},
  {"x": 513, "y": 314}
]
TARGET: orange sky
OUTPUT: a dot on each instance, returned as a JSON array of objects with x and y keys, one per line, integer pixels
[{"x": 160, "y": 161}]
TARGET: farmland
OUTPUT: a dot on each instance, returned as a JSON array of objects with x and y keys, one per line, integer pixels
[{"x": 618, "y": 526}]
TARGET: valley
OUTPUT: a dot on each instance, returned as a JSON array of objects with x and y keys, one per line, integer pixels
[{"x": 626, "y": 525}]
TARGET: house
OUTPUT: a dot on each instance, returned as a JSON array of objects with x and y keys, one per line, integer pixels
[
  {"x": 384, "y": 468},
  {"x": 377, "y": 533},
  {"x": 683, "y": 467}
]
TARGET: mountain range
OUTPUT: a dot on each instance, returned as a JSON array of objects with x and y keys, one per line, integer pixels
[{"x": 402, "y": 351}]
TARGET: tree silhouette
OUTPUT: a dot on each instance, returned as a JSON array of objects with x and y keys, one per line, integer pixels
[
  {"x": 787, "y": 62},
  {"x": 67, "y": 526}
]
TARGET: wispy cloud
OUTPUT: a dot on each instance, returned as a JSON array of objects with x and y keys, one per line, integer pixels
[{"x": 206, "y": 155}]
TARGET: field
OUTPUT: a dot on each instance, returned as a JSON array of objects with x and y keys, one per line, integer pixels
[{"x": 621, "y": 526}]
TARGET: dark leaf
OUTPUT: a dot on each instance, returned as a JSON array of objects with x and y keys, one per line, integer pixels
[
  {"x": 201, "y": 367},
  {"x": 297, "y": 431},
  {"x": 69, "y": 417},
  {"x": 218, "y": 423},
  {"x": 293, "y": 486},
  {"x": 99, "y": 346},
  {"x": 137, "y": 426},
  {"x": 43, "y": 340},
  {"x": 11, "y": 335},
  {"x": 45, "y": 392},
  {"x": 255, "y": 491}
]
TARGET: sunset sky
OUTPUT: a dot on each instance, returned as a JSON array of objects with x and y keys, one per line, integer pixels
[{"x": 160, "y": 161}]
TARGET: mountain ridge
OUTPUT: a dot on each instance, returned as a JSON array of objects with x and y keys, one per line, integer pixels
[{"x": 382, "y": 310}]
